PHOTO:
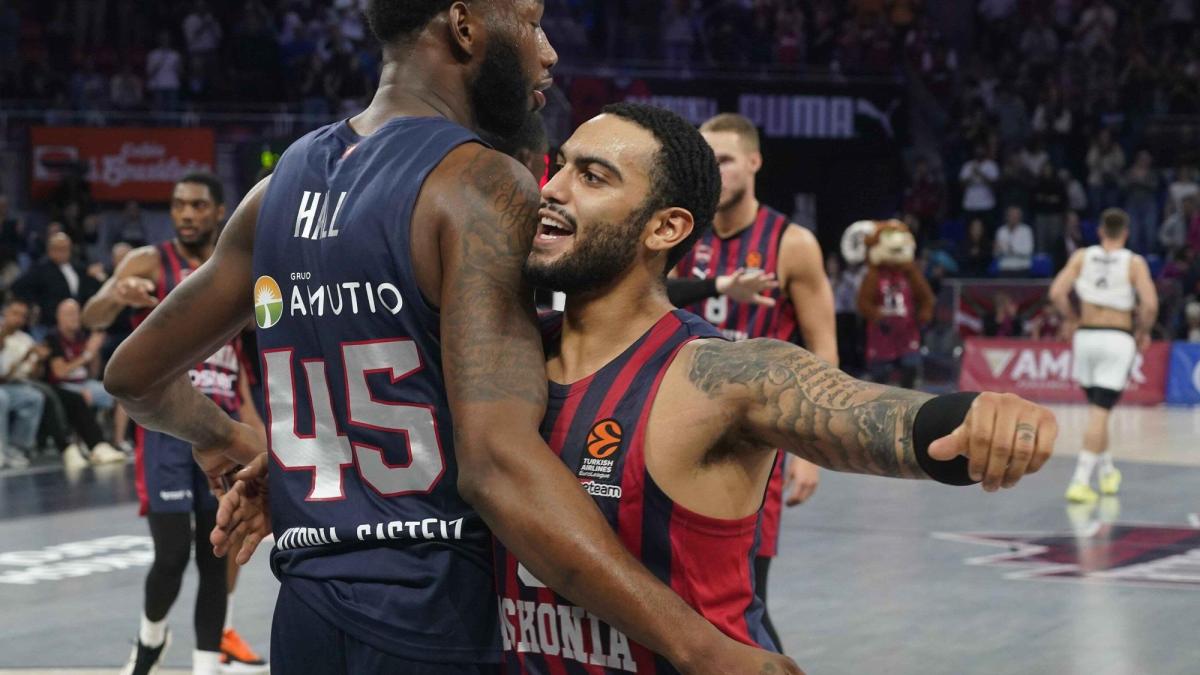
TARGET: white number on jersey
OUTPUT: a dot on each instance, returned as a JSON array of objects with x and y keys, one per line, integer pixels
[
  {"x": 327, "y": 452},
  {"x": 716, "y": 310}
]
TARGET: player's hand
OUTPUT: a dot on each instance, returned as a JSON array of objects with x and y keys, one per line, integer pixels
[
  {"x": 1066, "y": 331},
  {"x": 135, "y": 292},
  {"x": 748, "y": 285},
  {"x": 244, "y": 514},
  {"x": 726, "y": 656},
  {"x": 243, "y": 446},
  {"x": 1004, "y": 436},
  {"x": 800, "y": 478},
  {"x": 1143, "y": 340}
]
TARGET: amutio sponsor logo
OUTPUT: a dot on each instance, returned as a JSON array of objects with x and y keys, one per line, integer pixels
[{"x": 320, "y": 300}]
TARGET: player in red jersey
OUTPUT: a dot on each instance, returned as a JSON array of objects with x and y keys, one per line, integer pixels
[
  {"x": 673, "y": 430},
  {"x": 749, "y": 235}
]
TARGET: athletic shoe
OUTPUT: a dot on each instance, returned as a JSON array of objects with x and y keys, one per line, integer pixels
[
  {"x": 1110, "y": 482},
  {"x": 1081, "y": 493},
  {"x": 145, "y": 660},
  {"x": 73, "y": 458},
  {"x": 237, "y": 656},
  {"x": 125, "y": 447},
  {"x": 13, "y": 459},
  {"x": 104, "y": 453}
]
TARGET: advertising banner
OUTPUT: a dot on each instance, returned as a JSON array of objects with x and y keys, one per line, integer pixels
[
  {"x": 1183, "y": 382},
  {"x": 1040, "y": 370},
  {"x": 120, "y": 163}
]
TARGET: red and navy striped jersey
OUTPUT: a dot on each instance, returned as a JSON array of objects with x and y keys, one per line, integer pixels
[
  {"x": 217, "y": 376},
  {"x": 756, "y": 247},
  {"x": 598, "y": 428}
]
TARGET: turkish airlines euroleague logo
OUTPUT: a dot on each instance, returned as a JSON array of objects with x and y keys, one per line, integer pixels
[{"x": 604, "y": 439}]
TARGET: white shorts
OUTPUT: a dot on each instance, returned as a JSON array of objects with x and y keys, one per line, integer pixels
[{"x": 1103, "y": 357}]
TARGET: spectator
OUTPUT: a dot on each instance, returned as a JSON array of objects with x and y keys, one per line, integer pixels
[
  {"x": 1049, "y": 204},
  {"x": 1105, "y": 162},
  {"x": 88, "y": 88},
  {"x": 1141, "y": 202},
  {"x": 1033, "y": 158},
  {"x": 1039, "y": 43},
  {"x": 1076, "y": 196},
  {"x": 19, "y": 400},
  {"x": 1096, "y": 26},
  {"x": 12, "y": 230},
  {"x": 1014, "y": 245},
  {"x": 978, "y": 178},
  {"x": 164, "y": 71},
  {"x": 925, "y": 197},
  {"x": 1015, "y": 187},
  {"x": 1012, "y": 119},
  {"x": 55, "y": 279},
  {"x": 1071, "y": 240},
  {"x": 129, "y": 226},
  {"x": 1191, "y": 327},
  {"x": 1173, "y": 234},
  {"x": 975, "y": 254},
  {"x": 1183, "y": 186},
  {"x": 845, "y": 283},
  {"x": 942, "y": 346},
  {"x": 202, "y": 33},
  {"x": 1005, "y": 320},
  {"x": 125, "y": 89}
]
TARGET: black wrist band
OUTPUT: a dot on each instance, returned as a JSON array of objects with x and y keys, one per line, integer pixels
[
  {"x": 937, "y": 418},
  {"x": 684, "y": 292}
]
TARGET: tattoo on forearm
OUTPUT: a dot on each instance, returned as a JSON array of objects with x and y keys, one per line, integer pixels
[
  {"x": 490, "y": 351},
  {"x": 830, "y": 418}
]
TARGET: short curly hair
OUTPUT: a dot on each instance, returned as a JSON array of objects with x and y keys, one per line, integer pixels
[
  {"x": 394, "y": 21},
  {"x": 684, "y": 172}
]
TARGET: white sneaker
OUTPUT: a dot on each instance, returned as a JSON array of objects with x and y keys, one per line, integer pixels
[
  {"x": 13, "y": 459},
  {"x": 73, "y": 458},
  {"x": 104, "y": 453}
]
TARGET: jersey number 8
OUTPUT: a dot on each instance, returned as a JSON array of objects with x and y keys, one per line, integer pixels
[{"x": 327, "y": 451}]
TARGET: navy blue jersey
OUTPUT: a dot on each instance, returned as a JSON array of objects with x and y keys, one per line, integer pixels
[
  {"x": 369, "y": 527},
  {"x": 598, "y": 428}
]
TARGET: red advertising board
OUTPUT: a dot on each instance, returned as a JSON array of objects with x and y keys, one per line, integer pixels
[
  {"x": 1040, "y": 370},
  {"x": 122, "y": 163}
]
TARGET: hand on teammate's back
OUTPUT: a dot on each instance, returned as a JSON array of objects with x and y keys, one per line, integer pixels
[
  {"x": 244, "y": 514},
  {"x": 1005, "y": 438}
]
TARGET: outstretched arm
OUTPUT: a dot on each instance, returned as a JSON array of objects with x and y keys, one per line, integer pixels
[
  {"x": 495, "y": 378},
  {"x": 130, "y": 285},
  {"x": 780, "y": 394}
]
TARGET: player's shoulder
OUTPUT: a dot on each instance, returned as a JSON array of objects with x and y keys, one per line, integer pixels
[
  {"x": 473, "y": 177},
  {"x": 141, "y": 261}
]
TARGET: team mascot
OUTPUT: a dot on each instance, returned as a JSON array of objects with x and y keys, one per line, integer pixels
[{"x": 895, "y": 300}]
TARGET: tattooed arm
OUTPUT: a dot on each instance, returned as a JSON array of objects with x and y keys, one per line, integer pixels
[
  {"x": 783, "y": 396},
  {"x": 495, "y": 377}
]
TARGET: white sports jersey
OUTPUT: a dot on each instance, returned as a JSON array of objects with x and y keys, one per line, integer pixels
[{"x": 1104, "y": 279}]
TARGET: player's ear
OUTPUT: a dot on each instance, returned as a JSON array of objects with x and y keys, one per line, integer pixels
[
  {"x": 463, "y": 28},
  {"x": 220, "y": 213},
  {"x": 668, "y": 227},
  {"x": 756, "y": 161}
]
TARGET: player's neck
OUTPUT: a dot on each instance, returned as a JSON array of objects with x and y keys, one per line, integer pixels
[
  {"x": 736, "y": 217},
  {"x": 196, "y": 254},
  {"x": 598, "y": 327},
  {"x": 1109, "y": 245},
  {"x": 413, "y": 87}
]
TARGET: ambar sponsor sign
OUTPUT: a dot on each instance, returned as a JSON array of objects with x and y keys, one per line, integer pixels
[
  {"x": 1040, "y": 370},
  {"x": 120, "y": 163}
]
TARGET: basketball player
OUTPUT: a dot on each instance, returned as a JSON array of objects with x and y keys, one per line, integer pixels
[
  {"x": 384, "y": 256},
  {"x": 747, "y": 234},
  {"x": 1118, "y": 306},
  {"x": 172, "y": 489},
  {"x": 672, "y": 429}
]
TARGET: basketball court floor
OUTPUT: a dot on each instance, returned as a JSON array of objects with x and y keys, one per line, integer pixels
[{"x": 874, "y": 576}]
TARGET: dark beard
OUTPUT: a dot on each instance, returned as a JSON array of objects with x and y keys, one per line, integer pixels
[
  {"x": 737, "y": 197},
  {"x": 597, "y": 261},
  {"x": 500, "y": 92}
]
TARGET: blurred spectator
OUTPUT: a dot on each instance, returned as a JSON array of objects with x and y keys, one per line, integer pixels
[
  {"x": 1141, "y": 201},
  {"x": 313, "y": 91},
  {"x": 678, "y": 33},
  {"x": 88, "y": 88},
  {"x": 18, "y": 400},
  {"x": 1014, "y": 245},
  {"x": 1039, "y": 43},
  {"x": 1033, "y": 158},
  {"x": 975, "y": 253},
  {"x": 1096, "y": 26},
  {"x": 1106, "y": 163},
  {"x": 1191, "y": 318},
  {"x": 1173, "y": 234},
  {"x": 55, "y": 279},
  {"x": 1049, "y": 203},
  {"x": 926, "y": 195},
  {"x": 164, "y": 72},
  {"x": 1015, "y": 187},
  {"x": 125, "y": 90},
  {"x": 1005, "y": 320},
  {"x": 978, "y": 178},
  {"x": 1183, "y": 186},
  {"x": 1012, "y": 119},
  {"x": 74, "y": 365},
  {"x": 942, "y": 346},
  {"x": 202, "y": 33},
  {"x": 12, "y": 231},
  {"x": 127, "y": 225},
  {"x": 845, "y": 283},
  {"x": 1070, "y": 240},
  {"x": 1077, "y": 198},
  {"x": 1054, "y": 122}
]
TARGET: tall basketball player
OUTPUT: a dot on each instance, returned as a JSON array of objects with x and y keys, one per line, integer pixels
[
  {"x": 747, "y": 234},
  {"x": 1118, "y": 306},
  {"x": 172, "y": 489},
  {"x": 672, "y": 429},
  {"x": 382, "y": 263}
]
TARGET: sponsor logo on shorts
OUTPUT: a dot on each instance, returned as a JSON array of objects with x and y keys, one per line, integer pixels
[
  {"x": 174, "y": 495},
  {"x": 268, "y": 302}
]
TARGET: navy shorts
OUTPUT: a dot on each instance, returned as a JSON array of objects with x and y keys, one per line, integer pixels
[
  {"x": 169, "y": 480},
  {"x": 303, "y": 642}
]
